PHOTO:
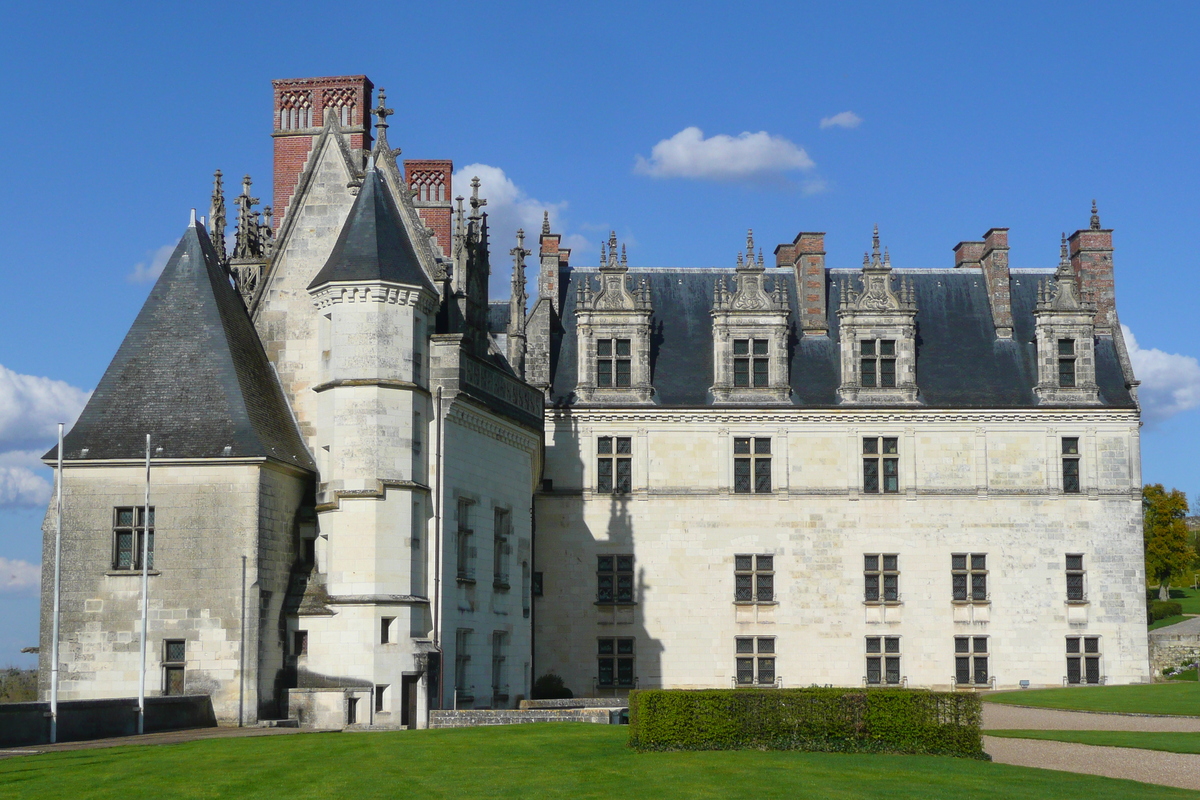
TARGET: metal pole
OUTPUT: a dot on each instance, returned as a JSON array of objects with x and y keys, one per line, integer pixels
[
  {"x": 141, "y": 726},
  {"x": 57, "y": 583},
  {"x": 437, "y": 555}
]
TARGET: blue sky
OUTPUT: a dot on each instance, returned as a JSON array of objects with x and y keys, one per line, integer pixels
[{"x": 678, "y": 126}]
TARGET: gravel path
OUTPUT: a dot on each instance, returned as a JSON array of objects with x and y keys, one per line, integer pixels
[
  {"x": 1148, "y": 766},
  {"x": 997, "y": 716}
]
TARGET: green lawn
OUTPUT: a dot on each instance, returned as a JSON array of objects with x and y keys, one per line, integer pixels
[
  {"x": 1188, "y": 598},
  {"x": 540, "y": 761},
  {"x": 1170, "y": 742},
  {"x": 1178, "y": 697},
  {"x": 1165, "y": 621}
]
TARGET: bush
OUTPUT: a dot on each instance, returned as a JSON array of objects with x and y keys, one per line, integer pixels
[
  {"x": 550, "y": 687},
  {"x": 827, "y": 720},
  {"x": 1161, "y": 609}
]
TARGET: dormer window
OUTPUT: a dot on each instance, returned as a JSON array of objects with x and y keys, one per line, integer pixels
[
  {"x": 1066, "y": 363},
  {"x": 750, "y": 334},
  {"x": 751, "y": 367},
  {"x": 613, "y": 364},
  {"x": 878, "y": 363}
]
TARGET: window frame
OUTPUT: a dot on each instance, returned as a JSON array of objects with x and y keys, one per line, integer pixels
[
  {"x": 759, "y": 576},
  {"x": 616, "y": 667},
  {"x": 1066, "y": 364},
  {"x": 615, "y": 582},
  {"x": 753, "y": 465},
  {"x": 880, "y": 572},
  {"x": 174, "y": 666},
  {"x": 614, "y": 369},
  {"x": 967, "y": 653},
  {"x": 464, "y": 540},
  {"x": 1072, "y": 470},
  {"x": 881, "y": 465},
  {"x": 877, "y": 358},
  {"x": 752, "y": 368},
  {"x": 1076, "y": 591},
  {"x": 501, "y": 532},
  {"x": 756, "y": 658},
  {"x": 462, "y": 664},
  {"x": 974, "y": 573},
  {"x": 614, "y": 465},
  {"x": 883, "y": 661},
  {"x": 499, "y": 666},
  {"x": 1082, "y": 660},
  {"x": 135, "y": 531}
]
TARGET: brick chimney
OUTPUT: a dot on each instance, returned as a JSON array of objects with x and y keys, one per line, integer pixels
[
  {"x": 301, "y": 106},
  {"x": 994, "y": 262},
  {"x": 967, "y": 254},
  {"x": 429, "y": 181},
  {"x": 554, "y": 260},
  {"x": 806, "y": 255},
  {"x": 1091, "y": 258}
]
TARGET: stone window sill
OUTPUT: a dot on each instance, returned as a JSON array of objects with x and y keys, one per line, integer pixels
[
  {"x": 608, "y": 603},
  {"x": 1083, "y": 602},
  {"x": 890, "y": 603},
  {"x": 756, "y": 602},
  {"x": 465, "y": 579},
  {"x": 500, "y": 586},
  {"x": 130, "y": 573},
  {"x": 971, "y": 602}
]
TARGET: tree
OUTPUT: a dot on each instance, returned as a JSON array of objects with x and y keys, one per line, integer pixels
[{"x": 1168, "y": 546}]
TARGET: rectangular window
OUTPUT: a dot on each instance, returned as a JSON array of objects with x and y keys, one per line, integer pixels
[
  {"x": 614, "y": 580},
  {"x": 501, "y": 528},
  {"x": 379, "y": 695},
  {"x": 499, "y": 657},
  {"x": 614, "y": 465},
  {"x": 300, "y": 643},
  {"x": 613, "y": 363},
  {"x": 1075, "y": 575},
  {"x": 127, "y": 538},
  {"x": 877, "y": 363},
  {"x": 969, "y": 576},
  {"x": 755, "y": 660},
  {"x": 971, "y": 660},
  {"x": 754, "y": 578},
  {"x": 352, "y": 711},
  {"x": 464, "y": 550},
  {"x": 883, "y": 660},
  {"x": 881, "y": 465},
  {"x": 462, "y": 662},
  {"x": 1066, "y": 363},
  {"x": 1083, "y": 659},
  {"x": 881, "y": 578},
  {"x": 751, "y": 365},
  {"x": 1070, "y": 464},
  {"x": 614, "y": 663},
  {"x": 174, "y": 653},
  {"x": 385, "y": 629},
  {"x": 752, "y": 466}
]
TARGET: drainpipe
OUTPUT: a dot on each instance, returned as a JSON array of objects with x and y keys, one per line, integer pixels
[{"x": 437, "y": 550}]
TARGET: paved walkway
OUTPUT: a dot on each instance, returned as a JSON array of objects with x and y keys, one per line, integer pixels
[
  {"x": 1181, "y": 770},
  {"x": 166, "y": 737}
]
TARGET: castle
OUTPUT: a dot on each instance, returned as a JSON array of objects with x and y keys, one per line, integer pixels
[{"x": 375, "y": 493}]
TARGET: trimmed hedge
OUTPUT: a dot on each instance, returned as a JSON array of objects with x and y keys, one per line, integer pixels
[
  {"x": 817, "y": 719},
  {"x": 1161, "y": 609}
]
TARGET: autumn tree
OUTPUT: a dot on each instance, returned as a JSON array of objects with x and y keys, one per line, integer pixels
[{"x": 1168, "y": 547}]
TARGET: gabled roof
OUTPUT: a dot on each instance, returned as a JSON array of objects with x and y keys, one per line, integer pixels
[
  {"x": 960, "y": 362},
  {"x": 373, "y": 244},
  {"x": 192, "y": 373}
]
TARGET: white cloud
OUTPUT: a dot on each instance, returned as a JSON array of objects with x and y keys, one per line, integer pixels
[
  {"x": 747, "y": 157},
  {"x": 509, "y": 208},
  {"x": 1170, "y": 381},
  {"x": 149, "y": 270},
  {"x": 19, "y": 486},
  {"x": 19, "y": 576},
  {"x": 846, "y": 119},
  {"x": 30, "y": 407}
]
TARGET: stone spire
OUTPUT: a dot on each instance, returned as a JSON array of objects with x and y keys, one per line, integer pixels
[
  {"x": 545, "y": 223},
  {"x": 216, "y": 217},
  {"x": 245, "y": 246},
  {"x": 1095, "y": 217},
  {"x": 518, "y": 300}
]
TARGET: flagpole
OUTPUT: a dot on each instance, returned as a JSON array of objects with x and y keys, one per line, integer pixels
[
  {"x": 141, "y": 726},
  {"x": 57, "y": 577}
]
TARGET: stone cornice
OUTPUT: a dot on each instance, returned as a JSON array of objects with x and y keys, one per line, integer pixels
[
  {"x": 461, "y": 414},
  {"x": 1058, "y": 416},
  {"x": 329, "y": 294}
]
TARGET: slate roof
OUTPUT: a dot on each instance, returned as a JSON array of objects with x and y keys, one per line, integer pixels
[
  {"x": 192, "y": 373},
  {"x": 960, "y": 362},
  {"x": 373, "y": 244}
]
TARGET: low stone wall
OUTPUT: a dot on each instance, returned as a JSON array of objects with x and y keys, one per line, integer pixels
[
  {"x": 578, "y": 702},
  {"x": 1174, "y": 645},
  {"x": 23, "y": 724},
  {"x": 473, "y": 718}
]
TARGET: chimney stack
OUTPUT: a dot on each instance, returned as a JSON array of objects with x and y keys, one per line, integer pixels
[
  {"x": 967, "y": 254},
  {"x": 302, "y": 105},
  {"x": 806, "y": 256},
  {"x": 1091, "y": 259},
  {"x": 994, "y": 262},
  {"x": 429, "y": 181}
]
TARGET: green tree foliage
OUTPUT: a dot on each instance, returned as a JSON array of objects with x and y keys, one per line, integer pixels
[
  {"x": 1168, "y": 544},
  {"x": 18, "y": 685}
]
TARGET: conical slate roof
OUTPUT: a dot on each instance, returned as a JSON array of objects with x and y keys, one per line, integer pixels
[
  {"x": 373, "y": 244},
  {"x": 192, "y": 373}
]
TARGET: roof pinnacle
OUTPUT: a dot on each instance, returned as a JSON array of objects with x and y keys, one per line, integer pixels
[
  {"x": 1095, "y": 217},
  {"x": 545, "y": 223},
  {"x": 381, "y": 111}
]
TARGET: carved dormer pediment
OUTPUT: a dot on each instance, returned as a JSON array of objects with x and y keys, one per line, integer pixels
[
  {"x": 877, "y": 320},
  {"x": 613, "y": 326},
  {"x": 1065, "y": 322},
  {"x": 750, "y": 334}
]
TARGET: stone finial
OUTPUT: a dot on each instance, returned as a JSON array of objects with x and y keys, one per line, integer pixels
[
  {"x": 216, "y": 215},
  {"x": 875, "y": 243},
  {"x": 1064, "y": 255},
  {"x": 761, "y": 263},
  {"x": 381, "y": 111},
  {"x": 750, "y": 244},
  {"x": 1095, "y": 217},
  {"x": 476, "y": 201},
  {"x": 624, "y": 262},
  {"x": 518, "y": 253},
  {"x": 545, "y": 223}
]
